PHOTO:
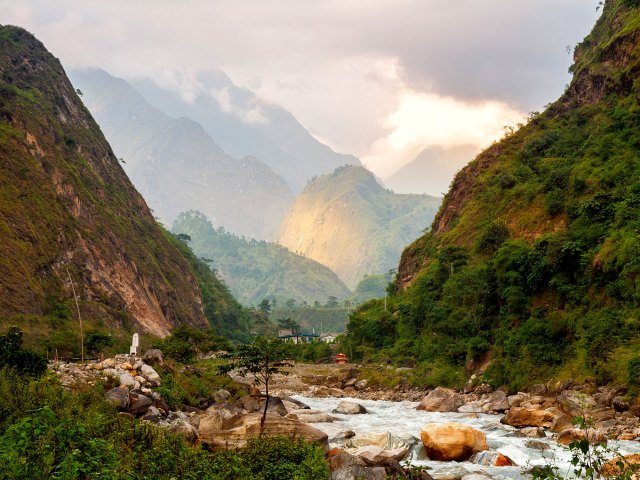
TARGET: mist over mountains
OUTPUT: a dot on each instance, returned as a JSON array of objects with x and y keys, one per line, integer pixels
[
  {"x": 177, "y": 166},
  {"x": 243, "y": 124}
]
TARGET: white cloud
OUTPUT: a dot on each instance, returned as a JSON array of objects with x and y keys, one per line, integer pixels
[{"x": 427, "y": 119}]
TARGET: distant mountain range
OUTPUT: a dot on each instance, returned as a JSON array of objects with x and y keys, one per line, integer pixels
[
  {"x": 243, "y": 124},
  {"x": 177, "y": 166},
  {"x": 255, "y": 270},
  {"x": 349, "y": 222},
  {"x": 431, "y": 171}
]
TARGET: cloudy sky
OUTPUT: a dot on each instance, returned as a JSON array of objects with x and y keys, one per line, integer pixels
[{"x": 381, "y": 79}]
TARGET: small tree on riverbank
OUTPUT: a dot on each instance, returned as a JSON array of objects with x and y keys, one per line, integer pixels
[{"x": 262, "y": 357}]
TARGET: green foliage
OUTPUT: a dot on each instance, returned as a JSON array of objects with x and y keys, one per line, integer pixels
[
  {"x": 258, "y": 270},
  {"x": 185, "y": 343},
  {"x": 14, "y": 356},
  {"x": 47, "y": 432},
  {"x": 534, "y": 261},
  {"x": 96, "y": 342},
  {"x": 318, "y": 319},
  {"x": 587, "y": 460}
]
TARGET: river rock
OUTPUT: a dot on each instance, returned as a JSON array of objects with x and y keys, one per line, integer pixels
[
  {"x": 452, "y": 441},
  {"x": 393, "y": 446},
  {"x": 311, "y": 416},
  {"x": 454, "y": 472},
  {"x": 561, "y": 422},
  {"x": 491, "y": 459},
  {"x": 528, "y": 417},
  {"x": 349, "y": 408},
  {"x": 153, "y": 356},
  {"x": 184, "y": 428},
  {"x": 441, "y": 400},
  {"x": 343, "y": 436},
  {"x": 611, "y": 468},
  {"x": 497, "y": 402},
  {"x": 234, "y": 432},
  {"x": 150, "y": 374},
  {"x": 324, "y": 391},
  {"x": 345, "y": 466},
  {"x": 128, "y": 381},
  {"x": 138, "y": 404},
  {"x": 620, "y": 404},
  {"x": 576, "y": 403},
  {"x": 118, "y": 397},
  {"x": 536, "y": 445},
  {"x": 253, "y": 403},
  {"x": 575, "y": 434}
]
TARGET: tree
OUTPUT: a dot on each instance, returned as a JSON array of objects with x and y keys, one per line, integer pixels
[
  {"x": 97, "y": 341},
  {"x": 289, "y": 324},
  {"x": 332, "y": 302},
  {"x": 14, "y": 356},
  {"x": 263, "y": 357},
  {"x": 183, "y": 237},
  {"x": 264, "y": 306},
  {"x": 291, "y": 303}
]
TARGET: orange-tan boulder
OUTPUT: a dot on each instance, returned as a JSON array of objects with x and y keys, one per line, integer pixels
[
  {"x": 452, "y": 441},
  {"x": 629, "y": 463},
  {"x": 528, "y": 417},
  {"x": 441, "y": 400}
]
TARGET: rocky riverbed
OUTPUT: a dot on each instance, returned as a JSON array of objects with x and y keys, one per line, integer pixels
[{"x": 367, "y": 432}]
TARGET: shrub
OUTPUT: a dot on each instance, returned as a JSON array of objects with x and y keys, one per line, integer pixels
[{"x": 13, "y": 355}]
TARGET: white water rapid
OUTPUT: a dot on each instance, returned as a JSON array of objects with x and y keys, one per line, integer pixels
[{"x": 402, "y": 419}]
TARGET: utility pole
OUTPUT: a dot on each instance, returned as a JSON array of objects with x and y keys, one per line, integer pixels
[
  {"x": 385, "y": 301},
  {"x": 75, "y": 297}
]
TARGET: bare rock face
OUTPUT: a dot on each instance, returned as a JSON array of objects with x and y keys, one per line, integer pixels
[
  {"x": 441, "y": 400},
  {"x": 452, "y": 441},
  {"x": 528, "y": 417},
  {"x": 612, "y": 467},
  {"x": 234, "y": 432}
]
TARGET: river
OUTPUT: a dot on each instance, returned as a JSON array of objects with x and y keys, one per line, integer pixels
[{"x": 402, "y": 419}]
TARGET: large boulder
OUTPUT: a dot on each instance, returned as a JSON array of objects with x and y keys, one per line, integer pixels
[
  {"x": 576, "y": 404},
  {"x": 576, "y": 434},
  {"x": 349, "y": 408},
  {"x": 441, "y": 400},
  {"x": 252, "y": 403},
  {"x": 153, "y": 357},
  {"x": 138, "y": 404},
  {"x": 630, "y": 463},
  {"x": 391, "y": 446},
  {"x": 184, "y": 428},
  {"x": 118, "y": 397},
  {"x": 150, "y": 374},
  {"x": 452, "y": 441},
  {"x": 528, "y": 417},
  {"x": 345, "y": 466},
  {"x": 234, "y": 432}
]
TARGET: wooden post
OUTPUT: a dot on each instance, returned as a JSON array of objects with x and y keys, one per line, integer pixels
[{"x": 75, "y": 297}]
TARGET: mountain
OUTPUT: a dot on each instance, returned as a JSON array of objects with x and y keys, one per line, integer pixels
[
  {"x": 70, "y": 219},
  {"x": 349, "y": 222},
  {"x": 176, "y": 165},
  {"x": 531, "y": 268},
  {"x": 243, "y": 124},
  {"x": 255, "y": 270},
  {"x": 431, "y": 171}
]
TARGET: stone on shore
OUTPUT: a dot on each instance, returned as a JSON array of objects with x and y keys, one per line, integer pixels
[
  {"x": 528, "y": 417},
  {"x": 441, "y": 400},
  {"x": 452, "y": 441},
  {"x": 235, "y": 431},
  {"x": 491, "y": 459}
]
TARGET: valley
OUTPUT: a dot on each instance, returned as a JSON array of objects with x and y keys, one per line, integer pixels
[{"x": 295, "y": 312}]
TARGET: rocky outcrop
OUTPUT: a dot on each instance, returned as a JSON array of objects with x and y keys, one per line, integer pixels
[
  {"x": 491, "y": 459},
  {"x": 452, "y": 441},
  {"x": 378, "y": 447}
]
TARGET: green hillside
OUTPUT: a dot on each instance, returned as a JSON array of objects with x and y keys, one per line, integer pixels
[
  {"x": 532, "y": 265},
  {"x": 321, "y": 320},
  {"x": 350, "y": 223},
  {"x": 71, "y": 219},
  {"x": 255, "y": 270}
]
